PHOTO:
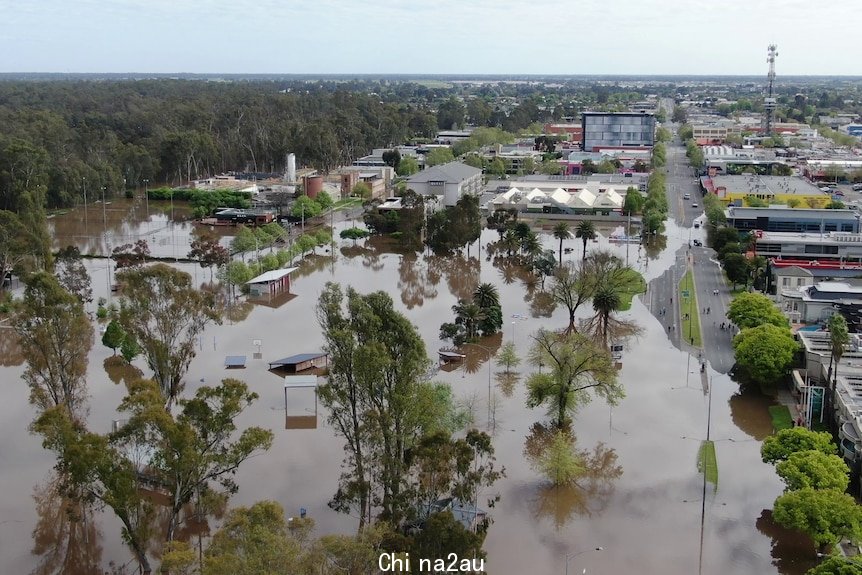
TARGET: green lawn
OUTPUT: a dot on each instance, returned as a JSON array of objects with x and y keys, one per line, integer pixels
[
  {"x": 689, "y": 328},
  {"x": 347, "y": 203},
  {"x": 707, "y": 462},
  {"x": 635, "y": 285},
  {"x": 781, "y": 418}
]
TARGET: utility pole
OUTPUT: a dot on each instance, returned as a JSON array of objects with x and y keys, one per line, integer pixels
[{"x": 769, "y": 102}]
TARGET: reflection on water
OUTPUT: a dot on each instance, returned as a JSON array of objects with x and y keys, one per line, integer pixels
[
  {"x": 66, "y": 538},
  {"x": 542, "y": 304},
  {"x": 589, "y": 495},
  {"x": 121, "y": 371},
  {"x": 749, "y": 409},
  {"x": 414, "y": 282},
  {"x": 507, "y": 381},
  {"x": 10, "y": 351},
  {"x": 793, "y": 553}
]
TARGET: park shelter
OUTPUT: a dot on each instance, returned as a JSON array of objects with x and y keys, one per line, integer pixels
[
  {"x": 301, "y": 361},
  {"x": 271, "y": 283}
]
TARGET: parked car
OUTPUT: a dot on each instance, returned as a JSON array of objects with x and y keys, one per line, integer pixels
[
  {"x": 698, "y": 243},
  {"x": 857, "y": 187},
  {"x": 694, "y": 205}
]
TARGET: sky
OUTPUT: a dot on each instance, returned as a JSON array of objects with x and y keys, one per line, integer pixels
[{"x": 569, "y": 37}]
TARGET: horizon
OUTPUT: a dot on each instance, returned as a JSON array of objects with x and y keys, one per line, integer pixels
[{"x": 385, "y": 37}]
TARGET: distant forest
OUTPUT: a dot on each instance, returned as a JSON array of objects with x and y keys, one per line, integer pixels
[{"x": 65, "y": 137}]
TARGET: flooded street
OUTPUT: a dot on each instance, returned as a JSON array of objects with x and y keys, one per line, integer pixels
[{"x": 642, "y": 496}]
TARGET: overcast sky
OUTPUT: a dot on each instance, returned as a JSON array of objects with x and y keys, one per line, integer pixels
[{"x": 819, "y": 37}]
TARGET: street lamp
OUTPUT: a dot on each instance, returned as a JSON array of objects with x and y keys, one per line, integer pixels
[
  {"x": 147, "y": 195},
  {"x": 570, "y": 556},
  {"x": 490, "y": 358}
]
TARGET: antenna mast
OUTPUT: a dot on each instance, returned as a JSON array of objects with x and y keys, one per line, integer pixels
[{"x": 769, "y": 102}]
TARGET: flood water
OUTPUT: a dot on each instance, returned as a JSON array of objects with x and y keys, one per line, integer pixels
[{"x": 641, "y": 499}]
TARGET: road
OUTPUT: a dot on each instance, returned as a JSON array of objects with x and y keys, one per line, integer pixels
[{"x": 713, "y": 293}]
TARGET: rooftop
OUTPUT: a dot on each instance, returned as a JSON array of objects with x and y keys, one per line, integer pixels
[
  {"x": 767, "y": 185},
  {"x": 271, "y": 276},
  {"x": 453, "y": 172}
]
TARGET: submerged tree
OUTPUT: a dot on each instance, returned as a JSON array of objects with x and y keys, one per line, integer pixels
[
  {"x": 578, "y": 369},
  {"x": 561, "y": 232},
  {"x": 55, "y": 337},
  {"x": 165, "y": 316},
  {"x": 586, "y": 231},
  {"x": 72, "y": 274}
]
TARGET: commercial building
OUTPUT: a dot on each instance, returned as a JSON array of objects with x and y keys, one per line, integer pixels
[
  {"x": 378, "y": 179},
  {"x": 771, "y": 189},
  {"x": 617, "y": 130},
  {"x": 837, "y": 250},
  {"x": 560, "y": 201},
  {"x": 448, "y": 181},
  {"x": 569, "y": 132},
  {"x": 814, "y": 304},
  {"x": 783, "y": 219}
]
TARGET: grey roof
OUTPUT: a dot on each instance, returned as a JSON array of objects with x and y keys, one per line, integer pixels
[
  {"x": 451, "y": 173},
  {"x": 793, "y": 271},
  {"x": 298, "y": 358}
]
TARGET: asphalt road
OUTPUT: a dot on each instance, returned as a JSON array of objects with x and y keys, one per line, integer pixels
[{"x": 663, "y": 294}]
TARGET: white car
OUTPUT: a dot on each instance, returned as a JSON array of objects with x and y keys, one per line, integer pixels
[{"x": 694, "y": 205}]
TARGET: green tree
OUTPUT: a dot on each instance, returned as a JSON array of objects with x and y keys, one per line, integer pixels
[
  {"x": 838, "y": 340},
  {"x": 165, "y": 315},
  {"x": 508, "y": 357},
  {"x": 838, "y": 565},
  {"x": 324, "y": 200},
  {"x": 634, "y": 201},
  {"x": 354, "y": 234},
  {"x": 496, "y": 167},
  {"x": 392, "y": 157},
  {"x": 550, "y": 167},
  {"x": 561, "y": 232},
  {"x": 813, "y": 469},
  {"x": 766, "y": 352},
  {"x": 754, "y": 309},
  {"x": 737, "y": 268},
  {"x": 72, "y": 274},
  {"x": 678, "y": 116},
  {"x": 407, "y": 166},
  {"x": 723, "y": 236},
  {"x": 209, "y": 253},
  {"x": 377, "y": 360},
  {"x": 578, "y": 369},
  {"x": 544, "y": 265},
  {"x": 113, "y": 336},
  {"x": 827, "y": 516},
  {"x": 129, "y": 349},
  {"x": 253, "y": 541},
  {"x": 244, "y": 241},
  {"x": 305, "y": 208},
  {"x": 199, "y": 446},
  {"x": 572, "y": 287},
  {"x": 487, "y": 298},
  {"x": 586, "y": 230},
  {"x": 439, "y": 156},
  {"x": 450, "y": 114},
  {"x": 779, "y": 447},
  {"x": 55, "y": 338}
]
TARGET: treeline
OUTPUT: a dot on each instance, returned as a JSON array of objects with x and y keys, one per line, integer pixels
[{"x": 72, "y": 138}]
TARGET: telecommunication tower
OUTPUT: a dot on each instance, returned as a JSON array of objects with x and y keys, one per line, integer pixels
[{"x": 769, "y": 102}]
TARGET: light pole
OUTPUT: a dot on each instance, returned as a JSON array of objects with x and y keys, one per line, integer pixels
[
  {"x": 513, "y": 333},
  {"x": 84, "y": 185},
  {"x": 490, "y": 358},
  {"x": 104, "y": 214},
  {"x": 570, "y": 556},
  {"x": 147, "y": 195}
]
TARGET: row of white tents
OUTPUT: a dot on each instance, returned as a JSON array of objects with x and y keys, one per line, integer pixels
[{"x": 575, "y": 199}]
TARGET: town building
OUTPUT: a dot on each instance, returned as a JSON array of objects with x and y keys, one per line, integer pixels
[
  {"x": 617, "y": 130},
  {"x": 813, "y": 304},
  {"x": 780, "y": 218},
  {"x": 568, "y": 132},
  {"x": 447, "y": 181},
  {"x": 771, "y": 189},
  {"x": 519, "y": 159},
  {"x": 379, "y": 179}
]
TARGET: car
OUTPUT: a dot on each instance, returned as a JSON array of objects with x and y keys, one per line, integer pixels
[
  {"x": 696, "y": 225},
  {"x": 694, "y": 205},
  {"x": 698, "y": 243},
  {"x": 857, "y": 187},
  {"x": 686, "y": 196}
]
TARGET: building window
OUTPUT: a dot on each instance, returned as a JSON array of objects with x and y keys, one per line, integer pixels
[{"x": 785, "y": 282}]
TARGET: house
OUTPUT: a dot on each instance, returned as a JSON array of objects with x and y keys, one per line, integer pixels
[
  {"x": 447, "y": 181},
  {"x": 271, "y": 283},
  {"x": 301, "y": 362},
  {"x": 790, "y": 280},
  {"x": 815, "y": 303}
]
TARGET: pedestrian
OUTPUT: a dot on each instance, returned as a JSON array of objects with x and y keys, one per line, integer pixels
[
  {"x": 668, "y": 329},
  {"x": 709, "y": 309}
]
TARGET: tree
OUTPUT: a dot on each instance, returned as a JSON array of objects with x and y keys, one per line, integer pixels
[
  {"x": 838, "y": 565},
  {"x": 165, "y": 315},
  {"x": 450, "y": 114},
  {"x": 392, "y": 157},
  {"x": 377, "y": 360},
  {"x": 550, "y": 167},
  {"x": 813, "y": 469},
  {"x": 95, "y": 468},
  {"x": 407, "y": 166},
  {"x": 782, "y": 445},
  {"x": 72, "y": 274},
  {"x": 15, "y": 247},
  {"x": 508, "y": 357},
  {"x": 634, "y": 201},
  {"x": 561, "y": 232},
  {"x": 198, "y": 446},
  {"x": 305, "y": 208},
  {"x": 723, "y": 236},
  {"x": 113, "y": 336},
  {"x": 678, "y": 116},
  {"x": 496, "y": 167},
  {"x": 487, "y": 298},
  {"x": 55, "y": 338},
  {"x": 838, "y": 340},
  {"x": 439, "y": 156},
  {"x": 253, "y": 540},
  {"x": 245, "y": 240},
  {"x": 354, "y": 234},
  {"x": 545, "y": 264},
  {"x": 586, "y": 230},
  {"x": 766, "y": 352},
  {"x": 131, "y": 255},
  {"x": 129, "y": 349},
  {"x": 572, "y": 288},
  {"x": 737, "y": 268},
  {"x": 209, "y": 253},
  {"x": 827, "y": 516},
  {"x": 578, "y": 369},
  {"x": 754, "y": 309},
  {"x": 324, "y": 200}
]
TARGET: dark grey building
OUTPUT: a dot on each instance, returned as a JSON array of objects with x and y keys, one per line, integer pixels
[
  {"x": 617, "y": 130},
  {"x": 782, "y": 219}
]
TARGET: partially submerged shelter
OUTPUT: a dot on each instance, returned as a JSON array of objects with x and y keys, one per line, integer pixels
[
  {"x": 301, "y": 362},
  {"x": 271, "y": 283}
]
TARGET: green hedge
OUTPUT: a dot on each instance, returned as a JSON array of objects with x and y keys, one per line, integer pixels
[{"x": 204, "y": 199}]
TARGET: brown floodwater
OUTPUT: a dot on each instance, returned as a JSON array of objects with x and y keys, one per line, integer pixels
[{"x": 640, "y": 499}]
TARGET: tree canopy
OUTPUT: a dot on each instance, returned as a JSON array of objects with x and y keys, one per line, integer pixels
[
  {"x": 754, "y": 309},
  {"x": 766, "y": 352}
]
